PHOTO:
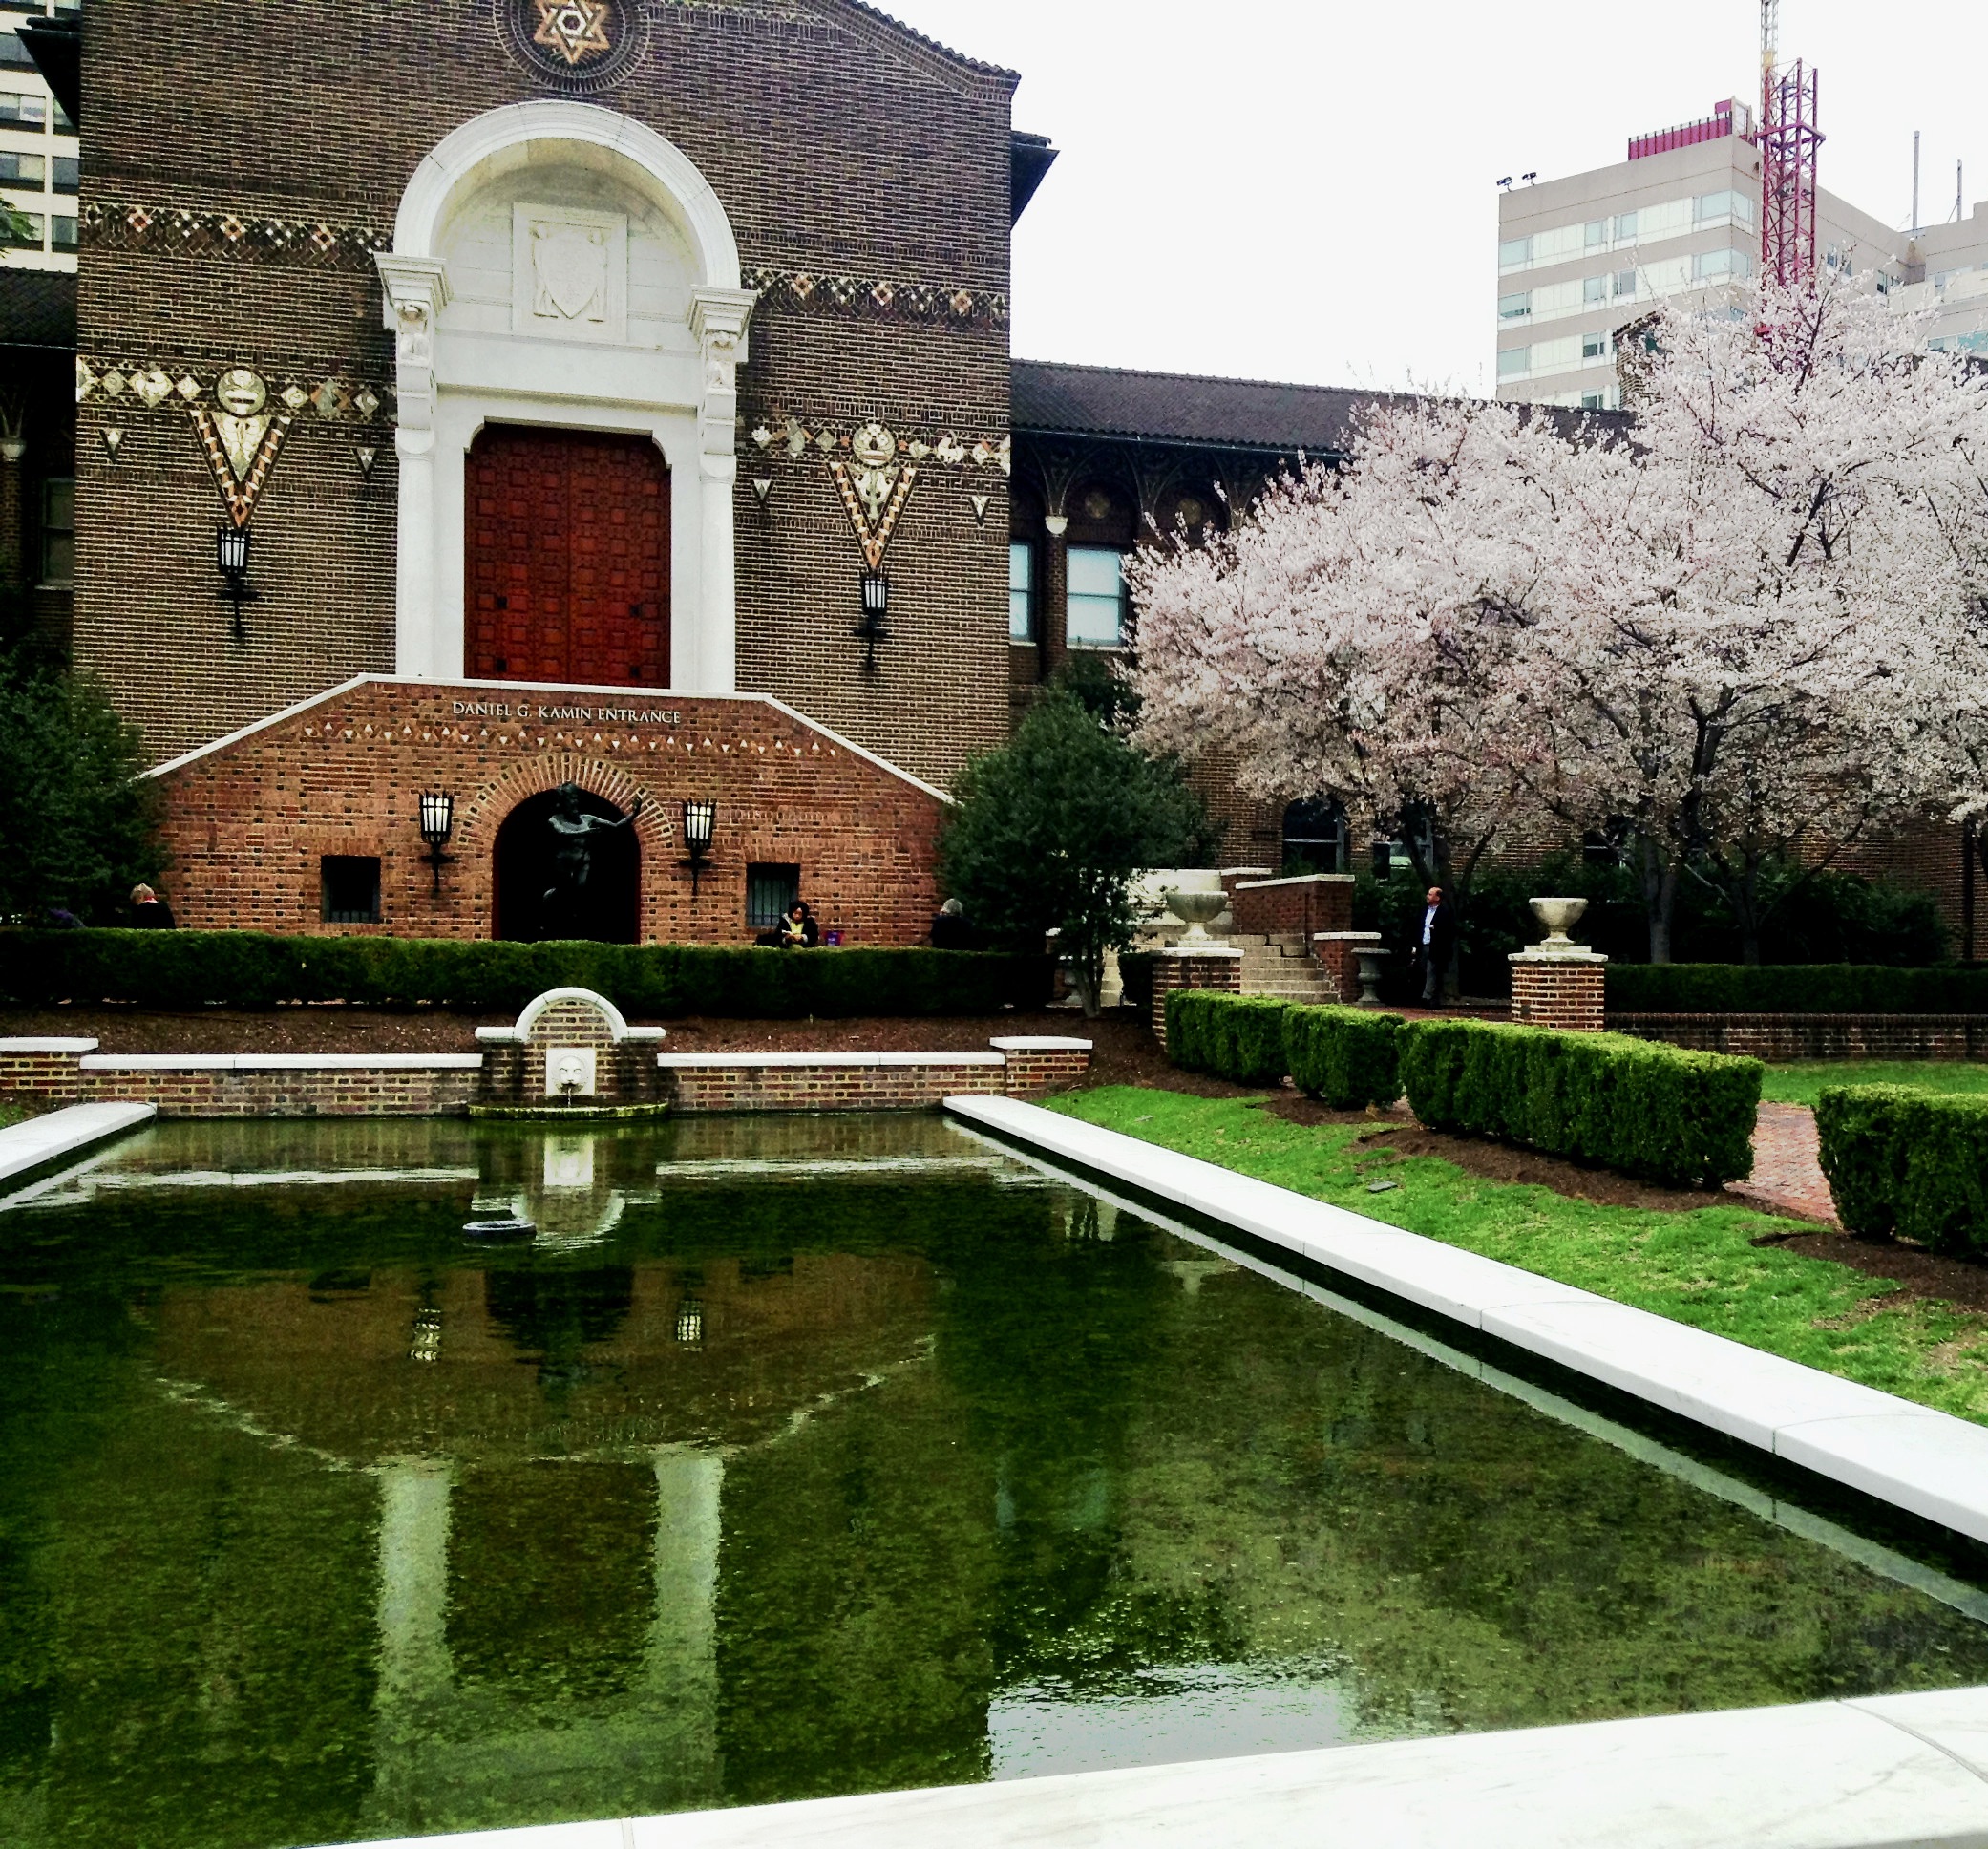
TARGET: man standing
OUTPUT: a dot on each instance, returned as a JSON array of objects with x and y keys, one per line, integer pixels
[{"x": 1436, "y": 939}]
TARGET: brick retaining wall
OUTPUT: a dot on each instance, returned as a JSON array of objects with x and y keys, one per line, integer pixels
[
  {"x": 1817, "y": 1036},
  {"x": 1298, "y": 907},
  {"x": 274, "y": 1085}
]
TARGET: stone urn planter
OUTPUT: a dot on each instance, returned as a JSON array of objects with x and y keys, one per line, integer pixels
[
  {"x": 1370, "y": 975},
  {"x": 1196, "y": 910},
  {"x": 1557, "y": 915}
]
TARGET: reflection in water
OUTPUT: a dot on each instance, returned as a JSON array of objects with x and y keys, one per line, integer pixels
[{"x": 792, "y": 1457}]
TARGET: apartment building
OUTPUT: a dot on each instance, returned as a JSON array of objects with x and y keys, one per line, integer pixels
[
  {"x": 39, "y": 157},
  {"x": 1581, "y": 256}
]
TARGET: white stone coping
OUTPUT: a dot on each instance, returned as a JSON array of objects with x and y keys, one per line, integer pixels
[
  {"x": 1572, "y": 953},
  {"x": 1210, "y": 949},
  {"x": 1926, "y": 1462},
  {"x": 282, "y": 1062},
  {"x": 45, "y": 1043},
  {"x": 41, "y": 1141},
  {"x": 511, "y": 1037},
  {"x": 1039, "y": 1043},
  {"x": 1295, "y": 879},
  {"x": 1345, "y": 937},
  {"x": 792, "y": 1061},
  {"x": 1885, "y": 1770}
]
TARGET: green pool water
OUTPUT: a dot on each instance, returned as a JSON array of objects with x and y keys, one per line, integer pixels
[{"x": 789, "y": 1459}]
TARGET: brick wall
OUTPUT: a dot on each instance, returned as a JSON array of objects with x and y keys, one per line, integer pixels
[
  {"x": 1173, "y": 970},
  {"x": 1552, "y": 993},
  {"x": 1296, "y": 906},
  {"x": 1038, "y": 1065},
  {"x": 695, "y": 1082},
  {"x": 1817, "y": 1036},
  {"x": 845, "y": 150},
  {"x": 247, "y": 824},
  {"x": 228, "y": 1085}
]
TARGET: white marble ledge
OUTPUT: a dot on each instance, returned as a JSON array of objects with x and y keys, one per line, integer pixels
[
  {"x": 1039, "y": 1043},
  {"x": 790, "y": 1061},
  {"x": 40, "y": 1140},
  {"x": 44, "y": 1043},
  {"x": 282, "y": 1062},
  {"x": 1887, "y": 1771},
  {"x": 1926, "y": 1462}
]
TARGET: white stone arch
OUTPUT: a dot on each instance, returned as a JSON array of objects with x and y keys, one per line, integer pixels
[{"x": 681, "y": 388}]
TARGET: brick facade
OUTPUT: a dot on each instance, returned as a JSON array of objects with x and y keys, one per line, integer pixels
[
  {"x": 248, "y": 822},
  {"x": 866, "y": 175},
  {"x": 1564, "y": 992}
]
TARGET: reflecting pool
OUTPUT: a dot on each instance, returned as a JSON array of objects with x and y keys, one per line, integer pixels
[{"x": 789, "y": 1459}]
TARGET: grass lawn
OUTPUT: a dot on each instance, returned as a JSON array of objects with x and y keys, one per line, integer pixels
[
  {"x": 1698, "y": 1267},
  {"x": 1798, "y": 1083}
]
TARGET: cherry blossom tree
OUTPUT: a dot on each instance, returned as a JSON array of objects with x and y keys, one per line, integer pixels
[{"x": 1750, "y": 624}]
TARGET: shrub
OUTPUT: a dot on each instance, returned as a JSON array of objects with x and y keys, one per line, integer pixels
[
  {"x": 1666, "y": 1114},
  {"x": 186, "y": 970},
  {"x": 1346, "y": 1057},
  {"x": 1239, "y": 1037},
  {"x": 1908, "y": 1162},
  {"x": 1796, "y": 988}
]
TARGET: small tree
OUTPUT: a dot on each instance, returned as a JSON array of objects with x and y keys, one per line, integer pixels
[
  {"x": 1051, "y": 830},
  {"x": 78, "y": 828}
]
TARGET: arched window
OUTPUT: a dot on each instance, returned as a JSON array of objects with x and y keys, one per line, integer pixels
[{"x": 1315, "y": 836}]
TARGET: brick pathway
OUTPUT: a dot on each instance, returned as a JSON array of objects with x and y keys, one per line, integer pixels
[{"x": 1787, "y": 1176}]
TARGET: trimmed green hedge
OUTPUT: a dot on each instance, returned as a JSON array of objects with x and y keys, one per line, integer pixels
[
  {"x": 1679, "y": 1117},
  {"x": 1795, "y": 989},
  {"x": 1907, "y": 1162},
  {"x": 185, "y": 970},
  {"x": 1239, "y": 1037},
  {"x": 1346, "y": 1057}
]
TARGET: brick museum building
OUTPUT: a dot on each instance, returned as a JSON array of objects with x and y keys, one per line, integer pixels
[{"x": 475, "y": 397}]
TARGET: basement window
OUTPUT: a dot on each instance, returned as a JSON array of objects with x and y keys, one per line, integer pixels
[
  {"x": 771, "y": 892},
  {"x": 350, "y": 887}
]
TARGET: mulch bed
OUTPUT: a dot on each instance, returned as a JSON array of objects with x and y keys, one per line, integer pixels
[{"x": 1126, "y": 1054}]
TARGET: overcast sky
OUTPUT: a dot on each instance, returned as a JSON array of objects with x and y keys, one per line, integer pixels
[{"x": 1305, "y": 189}]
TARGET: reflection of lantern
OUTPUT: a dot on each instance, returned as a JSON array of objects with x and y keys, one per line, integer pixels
[
  {"x": 877, "y": 605},
  {"x": 699, "y": 823},
  {"x": 438, "y": 822},
  {"x": 690, "y": 1323},
  {"x": 231, "y": 557}
]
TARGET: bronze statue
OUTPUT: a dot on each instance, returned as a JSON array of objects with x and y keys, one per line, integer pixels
[{"x": 573, "y": 853}]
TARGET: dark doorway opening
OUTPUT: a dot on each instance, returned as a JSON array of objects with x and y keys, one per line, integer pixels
[{"x": 608, "y": 909}]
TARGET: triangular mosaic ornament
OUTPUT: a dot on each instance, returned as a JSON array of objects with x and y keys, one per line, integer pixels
[
  {"x": 873, "y": 539},
  {"x": 240, "y": 450}
]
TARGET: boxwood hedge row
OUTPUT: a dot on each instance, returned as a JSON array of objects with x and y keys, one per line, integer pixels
[
  {"x": 1795, "y": 989},
  {"x": 245, "y": 970},
  {"x": 1346, "y": 1057},
  {"x": 1240, "y": 1037},
  {"x": 1906, "y": 1163}
]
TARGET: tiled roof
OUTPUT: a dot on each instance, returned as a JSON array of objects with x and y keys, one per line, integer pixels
[
  {"x": 37, "y": 308},
  {"x": 1177, "y": 408}
]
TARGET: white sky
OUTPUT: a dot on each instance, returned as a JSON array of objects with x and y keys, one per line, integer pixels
[{"x": 1305, "y": 189}]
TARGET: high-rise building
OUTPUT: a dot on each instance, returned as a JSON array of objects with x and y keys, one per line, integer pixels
[
  {"x": 39, "y": 164},
  {"x": 1581, "y": 256}
]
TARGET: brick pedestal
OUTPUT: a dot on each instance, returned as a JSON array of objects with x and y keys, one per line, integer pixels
[
  {"x": 1199, "y": 966},
  {"x": 1338, "y": 957},
  {"x": 1558, "y": 989}
]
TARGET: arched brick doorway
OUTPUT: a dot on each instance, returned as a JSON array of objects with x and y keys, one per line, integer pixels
[
  {"x": 566, "y": 567},
  {"x": 609, "y": 910}
]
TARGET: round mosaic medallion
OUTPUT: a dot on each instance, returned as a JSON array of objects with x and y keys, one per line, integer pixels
[{"x": 577, "y": 46}]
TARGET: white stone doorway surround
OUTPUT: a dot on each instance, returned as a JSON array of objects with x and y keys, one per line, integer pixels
[{"x": 561, "y": 264}]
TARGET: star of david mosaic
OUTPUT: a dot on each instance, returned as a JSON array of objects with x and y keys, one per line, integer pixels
[
  {"x": 576, "y": 46},
  {"x": 577, "y": 30}
]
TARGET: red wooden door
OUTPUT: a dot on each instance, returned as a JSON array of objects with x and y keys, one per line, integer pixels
[{"x": 567, "y": 569}]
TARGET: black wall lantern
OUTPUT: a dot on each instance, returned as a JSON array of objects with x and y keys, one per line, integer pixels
[
  {"x": 699, "y": 823},
  {"x": 437, "y": 824},
  {"x": 877, "y": 605},
  {"x": 231, "y": 556}
]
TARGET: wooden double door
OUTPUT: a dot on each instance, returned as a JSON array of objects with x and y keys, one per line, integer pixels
[{"x": 567, "y": 572}]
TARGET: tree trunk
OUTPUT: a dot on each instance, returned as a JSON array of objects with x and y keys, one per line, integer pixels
[
  {"x": 1088, "y": 976},
  {"x": 1657, "y": 874}
]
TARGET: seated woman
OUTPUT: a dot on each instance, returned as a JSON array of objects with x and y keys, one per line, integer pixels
[{"x": 793, "y": 927}]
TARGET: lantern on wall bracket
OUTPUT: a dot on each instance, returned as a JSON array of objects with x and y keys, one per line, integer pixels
[
  {"x": 437, "y": 824},
  {"x": 231, "y": 559},
  {"x": 877, "y": 605},
  {"x": 699, "y": 823}
]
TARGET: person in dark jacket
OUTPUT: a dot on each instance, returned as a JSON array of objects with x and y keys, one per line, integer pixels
[
  {"x": 149, "y": 912},
  {"x": 950, "y": 929},
  {"x": 1435, "y": 938}
]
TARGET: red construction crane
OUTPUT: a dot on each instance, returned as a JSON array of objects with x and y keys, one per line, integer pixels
[{"x": 1788, "y": 139}]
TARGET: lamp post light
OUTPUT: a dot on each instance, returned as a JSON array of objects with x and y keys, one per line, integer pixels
[
  {"x": 877, "y": 605},
  {"x": 231, "y": 557},
  {"x": 437, "y": 824},
  {"x": 700, "y": 822}
]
